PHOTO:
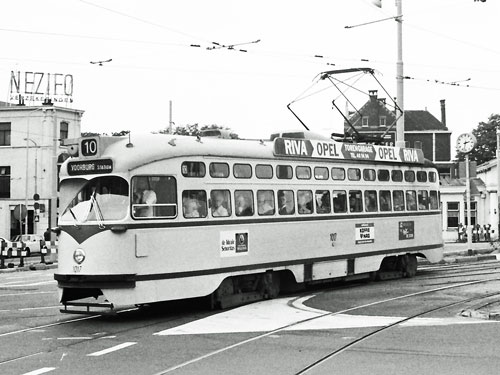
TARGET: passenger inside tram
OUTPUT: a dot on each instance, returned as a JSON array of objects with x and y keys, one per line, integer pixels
[{"x": 191, "y": 208}]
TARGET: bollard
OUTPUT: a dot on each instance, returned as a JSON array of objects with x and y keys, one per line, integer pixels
[{"x": 487, "y": 235}]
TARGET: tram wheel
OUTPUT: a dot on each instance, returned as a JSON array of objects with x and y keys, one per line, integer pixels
[
  {"x": 408, "y": 265},
  {"x": 271, "y": 285}
]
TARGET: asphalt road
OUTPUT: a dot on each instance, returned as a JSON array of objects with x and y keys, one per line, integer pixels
[{"x": 410, "y": 326}]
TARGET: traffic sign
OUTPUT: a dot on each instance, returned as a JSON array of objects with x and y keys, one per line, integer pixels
[{"x": 20, "y": 212}]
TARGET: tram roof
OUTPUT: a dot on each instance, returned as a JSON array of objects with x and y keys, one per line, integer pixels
[{"x": 127, "y": 155}]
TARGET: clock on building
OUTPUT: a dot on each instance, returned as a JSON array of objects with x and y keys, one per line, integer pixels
[{"x": 466, "y": 142}]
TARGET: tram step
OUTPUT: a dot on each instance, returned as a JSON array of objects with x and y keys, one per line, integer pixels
[{"x": 104, "y": 308}]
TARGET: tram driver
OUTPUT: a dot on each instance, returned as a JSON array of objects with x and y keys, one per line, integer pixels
[{"x": 144, "y": 198}]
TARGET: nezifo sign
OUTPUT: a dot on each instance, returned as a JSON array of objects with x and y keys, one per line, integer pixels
[{"x": 37, "y": 86}]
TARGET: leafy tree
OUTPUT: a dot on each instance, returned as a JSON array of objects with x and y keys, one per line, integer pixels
[
  {"x": 486, "y": 147},
  {"x": 114, "y": 134},
  {"x": 195, "y": 129}
]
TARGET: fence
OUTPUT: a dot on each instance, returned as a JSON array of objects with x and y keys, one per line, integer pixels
[{"x": 17, "y": 249}]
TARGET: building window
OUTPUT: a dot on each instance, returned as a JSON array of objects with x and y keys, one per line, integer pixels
[
  {"x": 473, "y": 213},
  {"x": 453, "y": 214},
  {"x": 381, "y": 121},
  {"x": 63, "y": 131},
  {"x": 364, "y": 121},
  {"x": 4, "y": 133},
  {"x": 4, "y": 182}
]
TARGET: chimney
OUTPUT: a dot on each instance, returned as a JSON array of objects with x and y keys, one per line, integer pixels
[
  {"x": 373, "y": 94},
  {"x": 443, "y": 112}
]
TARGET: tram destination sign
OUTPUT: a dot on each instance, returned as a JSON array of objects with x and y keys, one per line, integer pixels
[
  {"x": 308, "y": 148},
  {"x": 76, "y": 168}
]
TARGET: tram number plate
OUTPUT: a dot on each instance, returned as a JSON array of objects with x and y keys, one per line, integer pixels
[{"x": 77, "y": 269}]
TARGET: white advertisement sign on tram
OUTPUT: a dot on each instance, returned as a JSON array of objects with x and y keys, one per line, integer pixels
[
  {"x": 349, "y": 151},
  {"x": 233, "y": 243},
  {"x": 364, "y": 233}
]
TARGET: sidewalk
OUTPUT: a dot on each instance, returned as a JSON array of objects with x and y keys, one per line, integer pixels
[{"x": 458, "y": 252}]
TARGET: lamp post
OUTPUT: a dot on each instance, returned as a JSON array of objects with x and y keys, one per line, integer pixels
[
  {"x": 498, "y": 180},
  {"x": 400, "y": 124}
]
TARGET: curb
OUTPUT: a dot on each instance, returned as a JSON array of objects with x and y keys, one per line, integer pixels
[
  {"x": 29, "y": 267},
  {"x": 477, "y": 314}
]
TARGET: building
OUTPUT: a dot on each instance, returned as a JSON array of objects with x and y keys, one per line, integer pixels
[
  {"x": 421, "y": 129},
  {"x": 30, "y": 151}
]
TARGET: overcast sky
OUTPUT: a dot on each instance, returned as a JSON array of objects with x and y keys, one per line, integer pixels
[{"x": 454, "y": 42}]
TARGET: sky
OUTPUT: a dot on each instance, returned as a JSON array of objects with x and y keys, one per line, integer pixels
[{"x": 450, "y": 51}]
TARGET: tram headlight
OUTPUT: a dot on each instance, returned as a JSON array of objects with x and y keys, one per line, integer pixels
[{"x": 79, "y": 256}]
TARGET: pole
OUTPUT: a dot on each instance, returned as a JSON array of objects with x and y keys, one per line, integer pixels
[
  {"x": 53, "y": 196},
  {"x": 498, "y": 182},
  {"x": 27, "y": 177},
  {"x": 469, "y": 223},
  {"x": 170, "y": 119},
  {"x": 400, "y": 124}
]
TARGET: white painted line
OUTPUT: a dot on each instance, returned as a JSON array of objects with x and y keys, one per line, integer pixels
[
  {"x": 112, "y": 349},
  {"x": 24, "y": 294},
  {"x": 285, "y": 313},
  {"x": 75, "y": 338},
  {"x": 39, "y": 308},
  {"x": 8, "y": 285},
  {"x": 40, "y": 371}
]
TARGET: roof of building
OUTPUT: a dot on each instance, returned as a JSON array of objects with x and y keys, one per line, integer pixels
[
  {"x": 476, "y": 184},
  {"x": 375, "y": 108}
]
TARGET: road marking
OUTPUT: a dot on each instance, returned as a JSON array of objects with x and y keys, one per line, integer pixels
[
  {"x": 39, "y": 308},
  {"x": 266, "y": 316},
  {"x": 24, "y": 294},
  {"x": 9, "y": 285},
  {"x": 40, "y": 371},
  {"x": 112, "y": 349},
  {"x": 75, "y": 338}
]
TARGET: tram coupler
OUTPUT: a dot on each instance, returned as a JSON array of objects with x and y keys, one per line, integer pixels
[{"x": 88, "y": 305}]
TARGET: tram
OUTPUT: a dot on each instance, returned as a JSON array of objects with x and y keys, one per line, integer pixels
[{"x": 160, "y": 217}]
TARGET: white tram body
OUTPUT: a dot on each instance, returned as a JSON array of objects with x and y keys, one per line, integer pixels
[{"x": 350, "y": 206}]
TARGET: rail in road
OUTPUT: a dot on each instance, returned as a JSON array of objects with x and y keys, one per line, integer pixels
[{"x": 192, "y": 340}]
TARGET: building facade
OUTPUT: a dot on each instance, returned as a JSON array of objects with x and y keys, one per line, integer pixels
[{"x": 30, "y": 152}]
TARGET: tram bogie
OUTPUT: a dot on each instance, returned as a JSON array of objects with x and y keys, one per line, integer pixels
[{"x": 162, "y": 217}]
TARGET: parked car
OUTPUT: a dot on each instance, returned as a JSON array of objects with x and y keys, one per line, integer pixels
[{"x": 31, "y": 241}]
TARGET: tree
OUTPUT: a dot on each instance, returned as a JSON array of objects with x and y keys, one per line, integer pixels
[
  {"x": 486, "y": 147},
  {"x": 195, "y": 129}
]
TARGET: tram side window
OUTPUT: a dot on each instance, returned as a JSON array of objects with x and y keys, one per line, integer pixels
[
  {"x": 220, "y": 203},
  {"x": 264, "y": 171},
  {"x": 369, "y": 174},
  {"x": 286, "y": 204},
  {"x": 371, "y": 201},
  {"x": 193, "y": 169},
  {"x": 383, "y": 175},
  {"x": 284, "y": 172},
  {"x": 304, "y": 202},
  {"x": 303, "y": 173},
  {"x": 265, "y": 202},
  {"x": 410, "y": 176},
  {"x": 243, "y": 202},
  {"x": 242, "y": 171},
  {"x": 423, "y": 200},
  {"x": 411, "y": 200},
  {"x": 321, "y": 173},
  {"x": 396, "y": 175},
  {"x": 194, "y": 203},
  {"x": 432, "y": 176},
  {"x": 434, "y": 200},
  {"x": 219, "y": 170},
  {"x": 398, "y": 198},
  {"x": 355, "y": 201},
  {"x": 154, "y": 197},
  {"x": 322, "y": 201},
  {"x": 385, "y": 200},
  {"x": 339, "y": 201},
  {"x": 421, "y": 176},
  {"x": 338, "y": 174},
  {"x": 354, "y": 174}
]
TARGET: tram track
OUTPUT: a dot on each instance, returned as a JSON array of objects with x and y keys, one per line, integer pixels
[{"x": 344, "y": 311}]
